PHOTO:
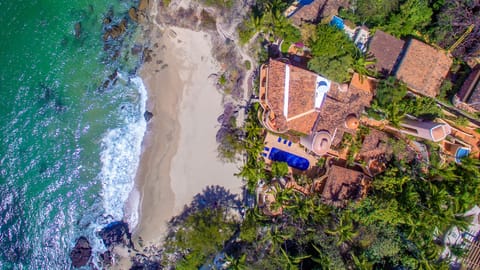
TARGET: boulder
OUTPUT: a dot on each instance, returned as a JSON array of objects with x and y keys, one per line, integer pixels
[
  {"x": 78, "y": 30},
  {"x": 142, "y": 262},
  {"x": 116, "y": 233},
  {"x": 115, "y": 31},
  {"x": 106, "y": 258},
  {"x": 147, "y": 115},
  {"x": 132, "y": 13},
  {"x": 80, "y": 254},
  {"x": 143, "y": 5}
]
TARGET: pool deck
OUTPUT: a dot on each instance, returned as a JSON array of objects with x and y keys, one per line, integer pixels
[{"x": 271, "y": 140}]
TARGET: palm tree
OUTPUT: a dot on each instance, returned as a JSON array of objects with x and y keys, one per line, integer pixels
[
  {"x": 322, "y": 259},
  {"x": 362, "y": 263},
  {"x": 292, "y": 262},
  {"x": 363, "y": 66},
  {"x": 344, "y": 230},
  {"x": 236, "y": 263},
  {"x": 276, "y": 238}
]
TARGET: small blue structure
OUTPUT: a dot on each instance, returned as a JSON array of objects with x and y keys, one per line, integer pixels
[
  {"x": 462, "y": 152},
  {"x": 337, "y": 22},
  {"x": 292, "y": 160}
]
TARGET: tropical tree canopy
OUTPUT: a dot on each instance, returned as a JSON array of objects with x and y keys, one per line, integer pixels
[{"x": 333, "y": 53}]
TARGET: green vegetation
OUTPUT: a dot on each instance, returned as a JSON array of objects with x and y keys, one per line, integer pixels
[
  {"x": 461, "y": 121},
  {"x": 248, "y": 65},
  {"x": 279, "y": 169},
  {"x": 219, "y": 3},
  {"x": 252, "y": 142},
  {"x": 400, "y": 18},
  {"x": 222, "y": 80},
  {"x": 267, "y": 18},
  {"x": 391, "y": 101},
  {"x": 394, "y": 227},
  {"x": 201, "y": 235},
  {"x": 333, "y": 53}
]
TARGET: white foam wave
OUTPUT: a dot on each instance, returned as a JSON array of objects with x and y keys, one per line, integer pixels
[{"x": 121, "y": 149}]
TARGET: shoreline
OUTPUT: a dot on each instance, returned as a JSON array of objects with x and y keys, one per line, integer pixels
[{"x": 179, "y": 149}]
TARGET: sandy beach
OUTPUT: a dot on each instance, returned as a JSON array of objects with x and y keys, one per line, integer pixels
[{"x": 179, "y": 157}]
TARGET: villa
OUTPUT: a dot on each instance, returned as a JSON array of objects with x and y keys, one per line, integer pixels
[
  {"x": 291, "y": 97},
  {"x": 420, "y": 66},
  {"x": 339, "y": 114},
  {"x": 311, "y": 106}
]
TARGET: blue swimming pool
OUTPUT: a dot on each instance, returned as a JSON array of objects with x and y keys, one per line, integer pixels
[
  {"x": 305, "y": 2},
  {"x": 292, "y": 160},
  {"x": 461, "y": 153},
  {"x": 337, "y": 22}
]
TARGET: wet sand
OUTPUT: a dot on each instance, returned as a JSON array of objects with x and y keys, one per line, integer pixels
[{"x": 179, "y": 157}]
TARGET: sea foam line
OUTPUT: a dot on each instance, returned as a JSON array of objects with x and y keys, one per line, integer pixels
[{"x": 120, "y": 157}]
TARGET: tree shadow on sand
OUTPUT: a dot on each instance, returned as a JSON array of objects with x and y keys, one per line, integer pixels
[{"x": 212, "y": 197}]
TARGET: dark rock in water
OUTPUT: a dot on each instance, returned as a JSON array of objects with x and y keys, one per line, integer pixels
[
  {"x": 47, "y": 92},
  {"x": 115, "y": 31},
  {"x": 142, "y": 262},
  {"x": 147, "y": 115},
  {"x": 111, "y": 80},
  {"x": 113, "y": 77},
  {"x": 106, "y": 258},
  {"x": 136, "y": 49},
  {"x": 59, "y": 106},
  {"x": 116, "y": 233},
  {"x": 107, "y": 20},
  {"x": 80, "y": 255},
  {"x": 78, "y": 30}
]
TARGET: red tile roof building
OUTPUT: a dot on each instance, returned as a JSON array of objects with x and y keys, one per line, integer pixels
[
  {"x": 344, "y": 184},
  {"x": 470, "y": 91},
  {"x": 288, "y": 97},
  {"x": 423, "y": 68},
  {"x": 291, "y": 101},
  {"x": 420, "y": 66},
  {"x": 386, "y": 49}
]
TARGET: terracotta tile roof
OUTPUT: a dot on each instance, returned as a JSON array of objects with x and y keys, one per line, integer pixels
[
  {"x": 343, "y": 184},
  {"x": 470, "y": 91},
  {"x": 375, "y": 144},
  {"x": 340, "y": 104},
  {"x": 318, "y": 9},
  {"x": 366, "y": 83},
  {"x": 423, "y": 68},
  {"x": 386, "y": 49},
  {"x": 472, "y": 259},
  {"x": 301, "y": 96}
]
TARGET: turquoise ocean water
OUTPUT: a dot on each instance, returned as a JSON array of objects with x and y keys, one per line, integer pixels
[{"x": 69, "y": 148}]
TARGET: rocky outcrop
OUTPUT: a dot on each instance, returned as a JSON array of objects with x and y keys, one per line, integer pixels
[
  {"x": 132, "y": 13},
  {"x": 109, "y": 82},
  {"x": 115, "y": 31},
  {"x": 80, "y": 255},
  {"x": 147, "y": 115},
  {"x": 116, "y": 233},
  {"x": 78, "y": 30},
  {"x": 143, "y": 5},
  {"x": 142, "y": 262}
]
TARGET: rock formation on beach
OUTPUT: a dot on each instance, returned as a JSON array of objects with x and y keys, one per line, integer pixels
[{"x": 80, "y": 254}]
